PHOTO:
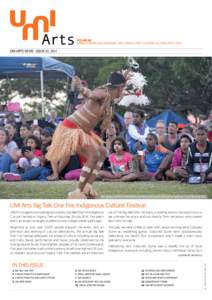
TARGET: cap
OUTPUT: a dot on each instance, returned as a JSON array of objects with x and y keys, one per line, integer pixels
[{"x": 116, "y": 79}]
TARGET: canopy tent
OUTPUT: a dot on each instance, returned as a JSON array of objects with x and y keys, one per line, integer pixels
[
  {"x": 166, "y": 116},
  {"x": 19, "y": 67}
]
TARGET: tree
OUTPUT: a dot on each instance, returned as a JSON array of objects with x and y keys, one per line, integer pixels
[{"x": 178, "y": 83}]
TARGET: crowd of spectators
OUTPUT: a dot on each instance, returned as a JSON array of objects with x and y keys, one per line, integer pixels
[{"x": 135, "y": 152}]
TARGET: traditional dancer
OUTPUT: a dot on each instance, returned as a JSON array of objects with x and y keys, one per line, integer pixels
[{"x": 75, "y": 136}]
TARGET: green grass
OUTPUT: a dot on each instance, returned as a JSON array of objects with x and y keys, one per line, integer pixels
[{"x": 60, "y": 189}]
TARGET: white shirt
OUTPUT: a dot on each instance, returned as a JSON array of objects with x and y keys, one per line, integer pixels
[{"x": 136, "y": 135}]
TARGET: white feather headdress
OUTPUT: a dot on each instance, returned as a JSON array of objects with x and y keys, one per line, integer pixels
[{"x": 134, "y": 87}]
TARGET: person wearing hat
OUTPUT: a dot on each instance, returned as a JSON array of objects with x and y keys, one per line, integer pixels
[{"x": 75, "y": 134}]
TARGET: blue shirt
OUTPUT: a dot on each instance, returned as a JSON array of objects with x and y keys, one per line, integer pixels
[{"x": 153, "y": 159}]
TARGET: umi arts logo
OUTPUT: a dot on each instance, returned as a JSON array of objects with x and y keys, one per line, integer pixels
[
  {"x": 20, "y": 20},
  {"x": 34, "y": 25}
]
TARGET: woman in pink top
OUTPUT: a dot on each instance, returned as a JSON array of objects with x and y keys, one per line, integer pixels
[
  {"x": 178, "y": 169},
  {"x": 120, "y": 160}
]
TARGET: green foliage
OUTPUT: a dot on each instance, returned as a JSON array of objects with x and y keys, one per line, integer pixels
[
  {"x": 95, "y": 69},
  {"x": 178, "y": 83}
]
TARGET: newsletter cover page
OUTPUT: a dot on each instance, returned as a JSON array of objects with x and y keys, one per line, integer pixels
[{"x": 105, "y": 149}]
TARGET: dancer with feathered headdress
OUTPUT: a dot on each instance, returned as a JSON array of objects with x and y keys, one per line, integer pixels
[{"x": 75, "y": 134}]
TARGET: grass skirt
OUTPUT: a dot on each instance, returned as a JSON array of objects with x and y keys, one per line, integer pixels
[{"x": 66, "y": 141}]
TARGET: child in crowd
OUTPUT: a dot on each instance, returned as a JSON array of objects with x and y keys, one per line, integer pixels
[
  {"x": 178, "y": 165},
  {"x": 30, "y": 157},
  {"x": 35, "y": 144},
  {"x": 120, "y": 161}
]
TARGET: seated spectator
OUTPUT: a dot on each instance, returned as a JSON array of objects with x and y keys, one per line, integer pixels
[
  {"x": 29, "y": 157},
  {"x": 9, "y": 151},
  {"x": 137, "y": 131},
  {"x": 37, "y": 132},
  {"x": 11, "y": 129},
  {"x": 7, "y": 160},
  {"x": 171, "y": 141},
  {"x": 128, "y": 119},
  {"x": 44, "y": 170},
  {"x": 152, "y": 162},
  {"x": 46, "y": 139},
  {"x": 53, "y": 118},
  {"x": 26, "y": 162},
  {"x": 110, "y": 136},
  {"x": 31, "y": 153},
  {"x": 4, "y": 137},
  {"x": 35, "y": 144},
  {"x": 200, "y": 156},
  {"x": 24, "y": 133},
  {"x": 178, "y": 166},
  {"x": 120, "y": 161},
  {"x": 160, "y": 129}
]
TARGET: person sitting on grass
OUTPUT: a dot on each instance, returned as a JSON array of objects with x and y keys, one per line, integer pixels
[
  {"x": 14, "y": 139},
  {"x": 9, "y": 152},
  {"x": 30, "y": 156},
  {"x": 120, "y": 161},
  {"x": 34, "y": 143},
  {"x": 44, "y": 170},
  {"x": 200, "y": 156},
  {"x": 27, "y": 161},
  {"x": 4, "y": 137},
  {"x": 178, "y": 169},
  {"x": 152, "y": 162}
]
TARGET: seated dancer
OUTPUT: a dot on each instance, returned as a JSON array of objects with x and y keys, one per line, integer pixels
[{"x": 74, "y": 135}]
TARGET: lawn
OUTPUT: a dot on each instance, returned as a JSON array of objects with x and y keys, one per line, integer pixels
[{"x": 60, "y": 189}]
